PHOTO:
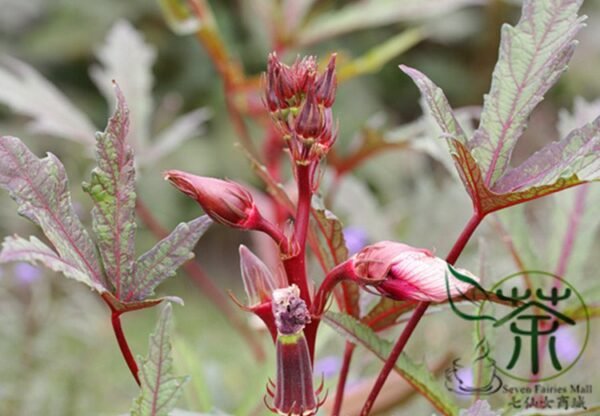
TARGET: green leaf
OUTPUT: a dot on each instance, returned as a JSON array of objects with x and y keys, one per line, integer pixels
[
  {"x": 160, "y": 390},
  {"x": 162, "y": 260},
  {"x": 34, "y": 251},
  {"x": 112, "y": 189},
  {"x": 415, "y": 374},
  {"x": 40, "y": 188},
  {"x": 533, "y": 55}
]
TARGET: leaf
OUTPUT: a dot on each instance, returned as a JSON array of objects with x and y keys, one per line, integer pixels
[
  {"x": 385, "y": 313},
  {"x": 331, "y": 245},
  {"x": 183, "y": 128},
  {"x": 159, "y": 388},
  {"x": 112, "y": 188},
  {"x": 127, "y": 59},
  {"x": 533, "y": 54},
  {"x": 415, "y": 374},
  {"x": 40, "y": 188},
  {"x": 577, "y": 154},
  {"x": 27, "y": 92},
  {"x": 374, "y": 13},
  {"x": 34, "y": 251},
  {"x": 162, "y": 260}
]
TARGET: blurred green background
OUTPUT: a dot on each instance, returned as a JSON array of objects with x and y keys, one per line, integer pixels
[{"x": 58, "y": 356}]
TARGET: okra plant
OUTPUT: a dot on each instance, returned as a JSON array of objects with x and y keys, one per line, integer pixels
[{"x": 291, "y": 298}]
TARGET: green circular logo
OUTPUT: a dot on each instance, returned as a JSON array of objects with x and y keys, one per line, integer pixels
[{"x": 536, "y": 318}]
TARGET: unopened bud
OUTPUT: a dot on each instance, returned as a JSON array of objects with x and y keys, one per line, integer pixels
[
  {"x": 259, "y": 282},
  {"x": 225, "y": 202},
  {"x": 403, "y": 272},
  {"x": 326, "y": 84}
]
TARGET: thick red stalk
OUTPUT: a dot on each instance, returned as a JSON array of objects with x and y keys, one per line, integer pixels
[
  {"x": 453, "y": 255},
  {"x": 341, "y": 386},
  {"x": 295, "y": 266},
  {"x": 123, "y": 345}
]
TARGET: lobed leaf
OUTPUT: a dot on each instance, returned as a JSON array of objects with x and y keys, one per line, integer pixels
[
  {"x": 33, "y": 251},
  {"x": 533, "y": 55},
  {"x": 162, "y": 260},
  {"x": 415, "y": 374},
  {"x": 27, "y": 92},
  {"x": 112, "y": 188},
  {"x": 159, "y": 388},
  {"x": 40, "y": 188}
]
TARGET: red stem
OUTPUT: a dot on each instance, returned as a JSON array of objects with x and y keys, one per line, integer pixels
[
  {"x": 341, "y": 386},
  {"x": 295, "y": 266},
  {"x": 456, "y": 250},
  {"x": 123, "y": 345}
]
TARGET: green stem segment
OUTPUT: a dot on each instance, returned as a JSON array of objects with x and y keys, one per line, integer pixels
[{"x": 453, "y": 255}]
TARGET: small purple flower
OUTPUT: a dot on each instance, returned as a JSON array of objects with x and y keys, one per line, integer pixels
[
  {"x": 328, "y": 366},
  {"x": 567, "y": 346},
  {"x": 356, "y": 238},
  {"x": 26, "y": 273}
]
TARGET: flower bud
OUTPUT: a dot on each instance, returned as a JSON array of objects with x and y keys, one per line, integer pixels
[
  {"x": 225, "y": 202},
  {"x": 326, "y": 84},
  {"x": 259, "y": 282},
  {"x": 403, "y": 272}
]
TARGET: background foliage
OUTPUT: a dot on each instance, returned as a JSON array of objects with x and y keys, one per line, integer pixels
[{"x": 59, "y": 356}]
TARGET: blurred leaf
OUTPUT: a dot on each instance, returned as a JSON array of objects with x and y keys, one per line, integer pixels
[
  {"x": 179, "y": 17},
  {"x": 377, "y": 57},
  {"x": 188, "y": 362},
  {"x": 127, "y": 59},
  {"x": 40, "y": 188},
  {"x": 34, "y": 251},
  {"x": 112, "y": 188},
  {"x": 183, "y": 128},
  {"x": 374, "y": 13},
  {"x": 160, "y": 390},
  {"x": 415, "y": 374},
  {"x": 479, "y": 408},
  {"x": 533, "y": 55},
  {"x": 28, "y": 93}
]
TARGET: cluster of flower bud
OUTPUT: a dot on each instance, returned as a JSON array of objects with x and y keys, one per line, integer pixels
[{"x": 300, "y": 100}]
